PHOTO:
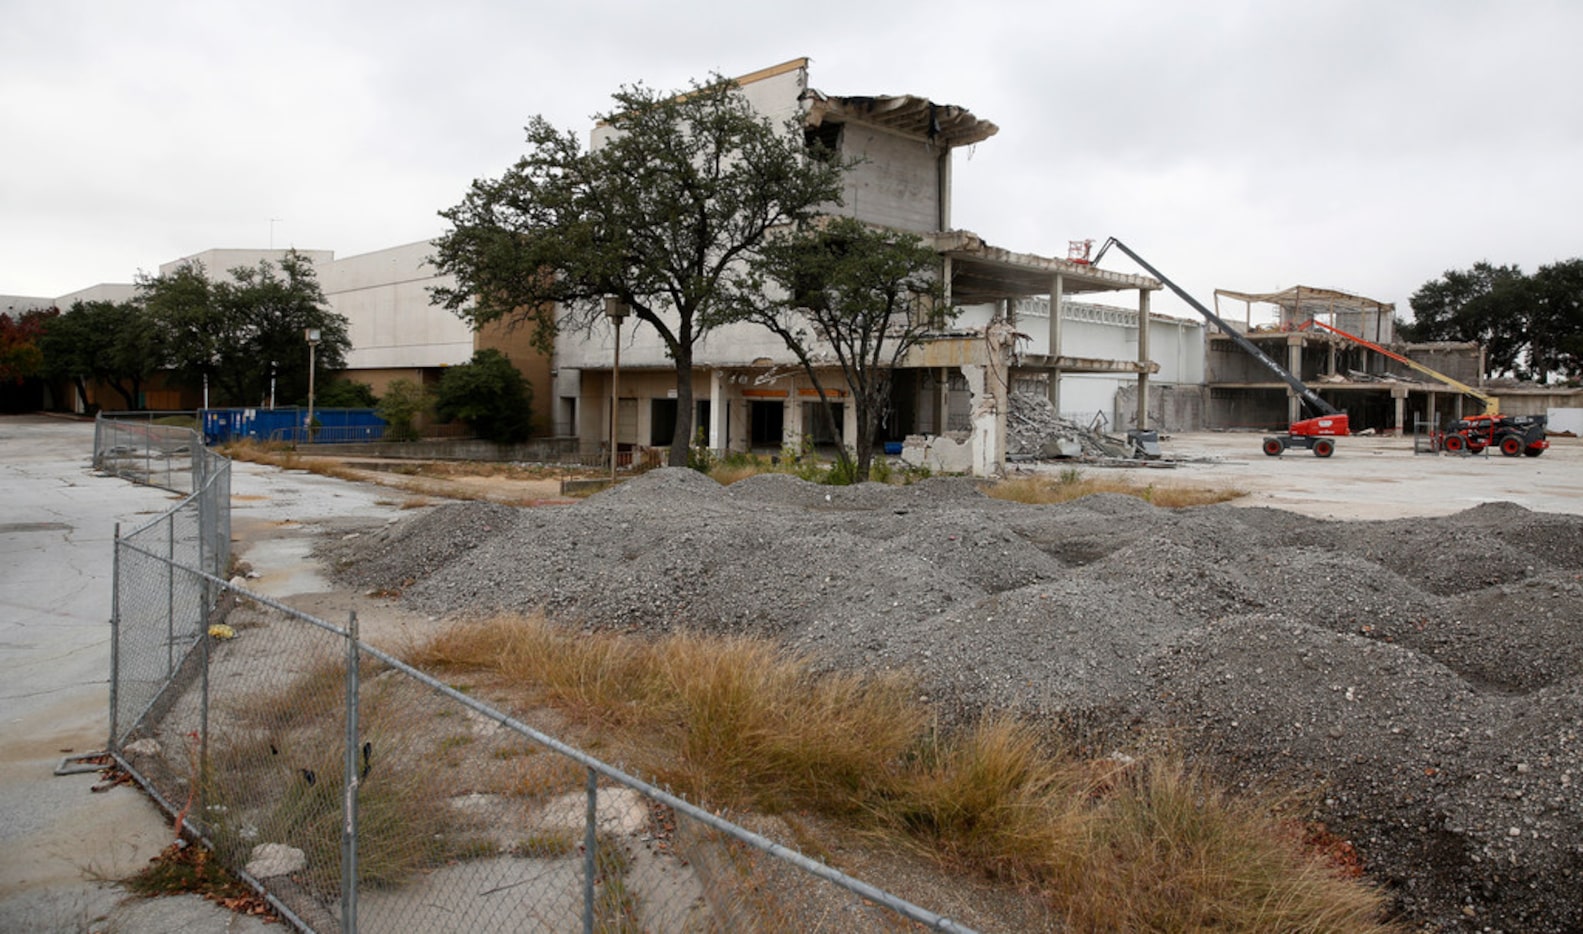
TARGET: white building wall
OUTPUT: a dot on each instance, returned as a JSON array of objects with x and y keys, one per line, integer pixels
[
  {"x": 217, "y": 263},
  {"x": 384, "y": 296},
  {"x": 897, "y": 183},
  {"x": 103, "y": 292}
]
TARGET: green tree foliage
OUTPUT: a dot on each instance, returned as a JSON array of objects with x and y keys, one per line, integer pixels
[
  {"x": 664, "y": 216},
  {"x": 490, "y": 395},
  {"x": 242, "y": 331},
  {"x": 404, "y": 400},
  {"x": 345, "y": 394},
  {"x": 110, "y": 342},
  {"x": 862, "y": 295},
  {"x": 1530, "y": 326},
  {"x": 1557, "y": 340},
  {"x": 21, "y": 356}
]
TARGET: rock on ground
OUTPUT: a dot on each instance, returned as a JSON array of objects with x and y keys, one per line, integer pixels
[{"x": 1423, "y": 677}]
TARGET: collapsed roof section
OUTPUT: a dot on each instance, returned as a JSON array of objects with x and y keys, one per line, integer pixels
[
  {"x": 942, "y": 124},
  {"x": 1301, "y": 302},
  {"x": 983, "y": 273}
]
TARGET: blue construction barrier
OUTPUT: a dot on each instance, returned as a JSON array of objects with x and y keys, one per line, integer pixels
[{"x": 290, "y": 423}]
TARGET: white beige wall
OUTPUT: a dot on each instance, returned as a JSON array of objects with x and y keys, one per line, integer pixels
[
  {"x": 219, "y": 262},
  {"x": 896, "y": 184},
  {"x": 384, "y": 296}
]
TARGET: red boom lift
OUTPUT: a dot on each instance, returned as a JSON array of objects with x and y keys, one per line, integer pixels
[{"x": 1315, "y": 433}]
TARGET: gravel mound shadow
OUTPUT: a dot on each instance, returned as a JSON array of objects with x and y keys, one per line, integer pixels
[{"x": 1422, "y": 679}]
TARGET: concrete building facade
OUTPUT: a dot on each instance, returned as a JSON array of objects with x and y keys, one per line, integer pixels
[{"x": 750, "y": 392}]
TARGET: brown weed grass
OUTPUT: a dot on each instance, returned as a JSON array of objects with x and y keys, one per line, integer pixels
[
  {"x": 1110, "y": 844},
  {"x": 1071, "y": 485}
]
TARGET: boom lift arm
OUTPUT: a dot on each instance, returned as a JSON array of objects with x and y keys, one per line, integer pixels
[
  {"x": 1491, "y": 403},
  {"x": 1319, "y": 405},
  {"x": 1310, "y": 433}
]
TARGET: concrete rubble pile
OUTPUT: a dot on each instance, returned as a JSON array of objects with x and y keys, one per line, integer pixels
[{"x": 1035, "y": 430}]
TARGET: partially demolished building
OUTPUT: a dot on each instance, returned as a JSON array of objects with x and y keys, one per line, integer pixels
[
  {"x": 1379, "y": 393},
  {"x": 955, "y": 388}
]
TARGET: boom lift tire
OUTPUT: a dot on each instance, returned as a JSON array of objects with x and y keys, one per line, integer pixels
[
  {"x": 1324, "y": 447},
  {"x": 1454, "y": 444},
  {"x": 1533, "y": 452},
  {"x": 1274, "y": 446},
  {"x": 1511, "y": 445}
]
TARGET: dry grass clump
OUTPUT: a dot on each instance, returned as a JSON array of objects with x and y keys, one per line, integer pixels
[
  {"x": 1110, "y": 844},
  {"x": 1071, "y": 484},
  {"x": 283, "y": 455},
  {"x": 276, "y": 772},
  {"x": 727, "y": 719}
]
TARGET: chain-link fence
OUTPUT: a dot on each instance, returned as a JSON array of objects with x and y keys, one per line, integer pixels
[
  {"x": 357, "y": 792},
  {"x": 156, "y": 448}
]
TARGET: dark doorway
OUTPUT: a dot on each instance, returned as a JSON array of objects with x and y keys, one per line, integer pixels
[
  {"x": 662, "y": 422},
  {"x": 768, "y": 423},
  {"x": 817, "y": 427},
  {"x": 701, "y": 422}
]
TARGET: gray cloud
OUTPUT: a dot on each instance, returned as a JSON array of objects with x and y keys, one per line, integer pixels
[{"x": 1364, "y": 146}]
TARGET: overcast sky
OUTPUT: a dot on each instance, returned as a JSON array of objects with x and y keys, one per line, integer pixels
[{"x": 1367, "y": 146}]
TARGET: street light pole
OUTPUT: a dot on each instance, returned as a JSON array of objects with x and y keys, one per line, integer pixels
[
  {"x": 312, "y": 335},
  {"x": 616, "y": 310}
]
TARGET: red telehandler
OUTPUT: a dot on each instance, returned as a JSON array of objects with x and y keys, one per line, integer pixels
[{"x": 1510, "y": 434}]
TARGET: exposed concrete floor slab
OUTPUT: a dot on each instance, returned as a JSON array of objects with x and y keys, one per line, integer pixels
[{"x": 1370, "y": 477}]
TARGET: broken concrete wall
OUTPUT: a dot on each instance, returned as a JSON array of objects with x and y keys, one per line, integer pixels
[
  {"x": 1262, "y": 409},
  {"x": 1172, "y": 407},
  {"x": 950, "y": 453}
]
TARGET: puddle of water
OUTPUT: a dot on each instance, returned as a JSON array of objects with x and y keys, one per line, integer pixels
[{"x": 286, "y": 568}]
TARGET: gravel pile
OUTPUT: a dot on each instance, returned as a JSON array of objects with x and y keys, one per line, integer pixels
[{"x": 1424, "y": 677}]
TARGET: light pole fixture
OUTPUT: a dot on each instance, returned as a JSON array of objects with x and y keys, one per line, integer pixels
[
  {"x": 616, "y": 310},
  {"x": 312, "y": 336}
]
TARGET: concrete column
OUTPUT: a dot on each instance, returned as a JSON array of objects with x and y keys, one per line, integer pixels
[
  {"x": 793, "y": 429},
  {"x": 943, "y": 189},
  {"x": 1399, "y": 394},
  {"x": 1434, "y": 417},
  {"x": 718, "y": 411},
  {"x": 1294, "y": 366},
  {"x": 1057, "y": 287},
  {"x": 1143, "y": 359},
  {"x": 943, "y": 400}
]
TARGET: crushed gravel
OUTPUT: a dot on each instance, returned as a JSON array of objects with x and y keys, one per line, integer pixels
[{"x": 1422, "y": 678}]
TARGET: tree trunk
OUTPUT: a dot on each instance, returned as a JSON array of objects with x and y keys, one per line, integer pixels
[
  {"x": 682, "y": 439},
  {"x": 864, "y": 446},
  {"x": 130, "y": 397},
  {"x": 870, "y": 405}
]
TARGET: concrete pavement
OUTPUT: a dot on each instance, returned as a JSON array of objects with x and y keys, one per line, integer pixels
[
  {"x": 61, "y": 845},
  {"x": 57, "y": 524}
]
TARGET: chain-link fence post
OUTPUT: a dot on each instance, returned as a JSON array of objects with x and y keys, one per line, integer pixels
[
  {"x": 115, "y": 632},
  {"x": 202, "y": 778},
  {"x": 349, "y": 787},
  {"x": 590, "y": 842}
]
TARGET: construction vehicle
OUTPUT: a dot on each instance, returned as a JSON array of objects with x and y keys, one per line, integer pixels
[
  {"x": 1510, "y": 434},
  {"x": 1315, "y": 433}
]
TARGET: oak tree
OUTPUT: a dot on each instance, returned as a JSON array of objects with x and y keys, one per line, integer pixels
[{"x": 666, "y": 214}]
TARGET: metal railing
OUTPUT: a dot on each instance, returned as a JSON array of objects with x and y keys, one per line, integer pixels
[{"x": 357, "y": 792}]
